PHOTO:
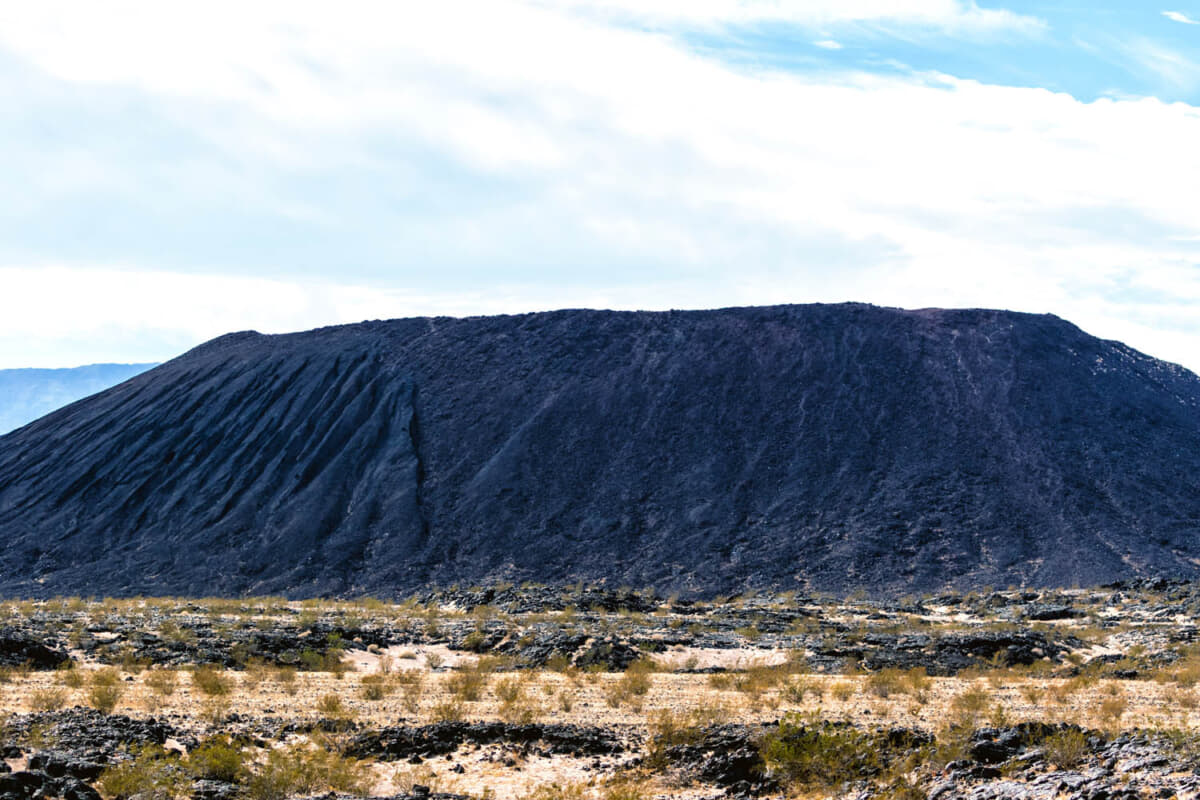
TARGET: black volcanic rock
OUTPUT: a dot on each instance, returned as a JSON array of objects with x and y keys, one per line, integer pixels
[{"x": 826, "y": 447}]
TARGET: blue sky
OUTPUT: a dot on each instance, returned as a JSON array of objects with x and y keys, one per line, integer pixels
[{"x": 175, "y": 173}]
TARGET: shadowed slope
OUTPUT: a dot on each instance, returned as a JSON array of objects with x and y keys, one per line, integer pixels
[{"x": 827, "y": 446}]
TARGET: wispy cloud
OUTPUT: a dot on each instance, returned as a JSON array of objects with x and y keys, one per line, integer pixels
[
  {"x": 1165, "y": 65},
  {"x": 947, "y": 15},
  {"x": 1179, "y": 16},
  {"x": 827, "y": 44}
]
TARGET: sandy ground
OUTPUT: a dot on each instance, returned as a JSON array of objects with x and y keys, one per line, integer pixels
[{"x": 586, "y": 699}]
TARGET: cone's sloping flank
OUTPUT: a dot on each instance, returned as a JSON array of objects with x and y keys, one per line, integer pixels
[{"x": 814, "y": 447}]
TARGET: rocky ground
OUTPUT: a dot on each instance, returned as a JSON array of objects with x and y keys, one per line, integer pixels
[{"x": 591, "y": 693}]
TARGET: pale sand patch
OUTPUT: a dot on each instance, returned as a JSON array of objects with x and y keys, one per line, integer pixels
[
  {"x": 401, "y": 657},
  {"x": 683, "y": 657}
]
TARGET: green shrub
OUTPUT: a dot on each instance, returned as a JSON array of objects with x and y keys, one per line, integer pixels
[
  {"x": 105, "y": 698},
  {"x": 331, "y": 705},
  {"x": 49, "y": 699},
  {"x": 220, "y": 759},
  {"x": 211, "y": 681},
  {"x": 375, "y": 687},
  {"x": 1066, "y": 749},
  {"x": 301, "y": 770},
  {"x": 820, "y": 756},
  {"x": 162, "y": 682},
  {"x": 106, "y": 690},
  {"x": 152, "y": 774},
  {"x": 71, "y": 677},
  {"x": 467, "y": 684}
]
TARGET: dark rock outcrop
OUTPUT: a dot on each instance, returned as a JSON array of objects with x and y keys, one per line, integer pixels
[
  {"x": 399, "y": 743},
  {"x": 20, "y": 649},
  {"x": 827, "y": 447}
]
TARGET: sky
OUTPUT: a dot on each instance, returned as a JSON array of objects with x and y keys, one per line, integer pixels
[{"x": 175, "y": 171}]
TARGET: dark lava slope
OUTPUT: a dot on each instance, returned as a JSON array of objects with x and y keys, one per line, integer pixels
[{"x": 821, "y": 447}]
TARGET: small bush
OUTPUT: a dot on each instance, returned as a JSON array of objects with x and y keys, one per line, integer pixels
[
  {"x": 1066, "y": 749},
  {"x": 211, "y": 681},
  {"x": 411, "y": 683},
  {"x": 50, "y": 699},
  {"x": 303, "y": 771},
  {"x": 820, "y": 756},
  {"x": 635, "y": 682},
  {"x": 448, "y": 711},
  {"x": 375, "y": 687},
  {"x": 153, "y": 774},
  {"x": 330, "y": 705},
  {"x": 467, "y": 684},
  {"x": 71, "y": 677},
  {"x": 162, "y": 682},
  {"x": 106, "y": 690},
  {"x": 219, "y": 759},
  {"x": 286, "y": 678},
  {"x": 105, "y": 698}
]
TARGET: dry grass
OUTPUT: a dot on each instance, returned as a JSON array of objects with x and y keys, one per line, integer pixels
[{"x": 422, "y": 683}]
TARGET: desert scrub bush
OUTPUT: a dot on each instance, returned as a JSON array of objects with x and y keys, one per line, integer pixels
[
  {"x": 1181, "y": 697},
  {"x": 406, "y": 778},
  {"x": 70, "y": 677},
  {"x": 970, "y": 704},
  {"x": 331, "y": 705},
  {"x": 219, "y": 758},
  {"x": 669, "y": 728},
  {"x": 330, "y": 661},
  {"x": 1112, "y": 709},
  {"x": 720, "y": 681},
  {"x": 286, "y": 678},
  {"x": 51, "y": 698},
  {"x": 448, "y": 711},
  {"x": 375, "y": 687},
  {"x": 1184, "y": 673},
  {"x": 411, "y": 683},
  {"x": 759, "y": 678},
  {"x": 558, "y": 791},
  {"x": 162, "y": 682},
  {"x": 214, "y": 710},
  {"x": 106, "y": 690},
  {"x": 626, "y": 788},
  {"x": 515, "y": 706},
  {"x": 886, "y": 682},
  {"x": 301, "y": 770},
  {"x": 810, "y": 755},
  {"x": 842, "y": 691},
  {"x": 211, "y": 681},
  {"x": 1066, "y": 749},
  {"x": 467, "y": 683},
  {"x": 635, "y": 683},
  {"x": 153, "y": 773},
  {"x": 476, "y": 641}
]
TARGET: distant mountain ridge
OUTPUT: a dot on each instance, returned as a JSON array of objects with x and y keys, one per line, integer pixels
[
  {"x": 830, "y": 447},
  {"x": 26, "y": 394}
]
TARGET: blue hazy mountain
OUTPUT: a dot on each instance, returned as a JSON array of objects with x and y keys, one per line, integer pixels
[{"x": 26, "y": 394}]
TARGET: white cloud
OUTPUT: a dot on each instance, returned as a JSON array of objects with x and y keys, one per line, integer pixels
[
  {"x": 673, "y": 179},
  {"x": 828, "y": 44},
  {"x": 948, "y": 15},
  {"x": 1179, "y": 16}
]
